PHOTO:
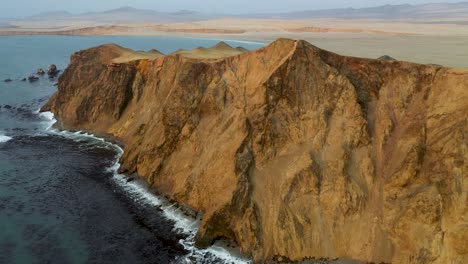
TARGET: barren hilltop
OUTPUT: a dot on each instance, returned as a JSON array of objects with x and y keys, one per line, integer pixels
[{"x": 291, "y": 151}]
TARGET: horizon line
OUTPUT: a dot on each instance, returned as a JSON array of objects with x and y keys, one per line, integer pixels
[{"x": 221, "y": 14}]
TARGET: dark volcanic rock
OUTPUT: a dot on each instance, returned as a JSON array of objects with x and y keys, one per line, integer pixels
[
  {"x": 33, "y": 78},
  {"x": 40, "y": 71},
  {"x": 52, "y": 70}
]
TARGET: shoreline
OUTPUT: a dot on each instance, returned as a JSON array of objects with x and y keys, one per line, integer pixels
[
  {"x": 200, "y": 145},
  {"x": 449, "y": 51},
  {"x": 237, "y": 26},
  {"x": 186, "y": 220}
]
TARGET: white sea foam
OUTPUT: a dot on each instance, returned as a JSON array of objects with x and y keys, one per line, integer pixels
[
  {"x": 4, "y": 138},
  {"x": 140, "y": 192},
  {"x": 49, "y": 119},
  {"x": 188, "y": 225}
]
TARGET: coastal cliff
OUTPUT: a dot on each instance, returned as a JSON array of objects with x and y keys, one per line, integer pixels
[{"x": 291, "y": 151}]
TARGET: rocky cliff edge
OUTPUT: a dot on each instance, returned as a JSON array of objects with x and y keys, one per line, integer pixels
[{"x": 289, "y": 150}]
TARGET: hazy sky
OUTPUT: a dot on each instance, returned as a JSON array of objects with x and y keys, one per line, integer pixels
[{"x": 21, "y": 8}]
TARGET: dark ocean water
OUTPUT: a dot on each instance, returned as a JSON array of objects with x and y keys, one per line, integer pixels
[{"x": 61, "y": 200}]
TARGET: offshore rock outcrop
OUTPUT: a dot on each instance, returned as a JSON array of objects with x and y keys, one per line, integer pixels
[{"x": 290, "y": 150}]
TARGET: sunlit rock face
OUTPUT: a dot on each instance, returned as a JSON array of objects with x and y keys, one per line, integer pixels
[{"x": 291, "y": 151}]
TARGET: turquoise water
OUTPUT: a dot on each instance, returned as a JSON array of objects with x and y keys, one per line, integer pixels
[
  {"x": 21, "y": 56},
  {"x": 58, "y": 200}
]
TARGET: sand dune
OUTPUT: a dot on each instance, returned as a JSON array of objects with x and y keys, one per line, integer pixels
[
  {"x": 111, "y": 54},
  {"x": 130, "y": 55},
  {"x": 218, "y": 51}
]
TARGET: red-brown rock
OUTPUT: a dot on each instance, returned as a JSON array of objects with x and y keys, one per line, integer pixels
[{"x": 290, "y": 150}]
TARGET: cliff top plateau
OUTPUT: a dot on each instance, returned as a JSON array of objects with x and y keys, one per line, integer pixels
[{"x": 112, "y": 53}]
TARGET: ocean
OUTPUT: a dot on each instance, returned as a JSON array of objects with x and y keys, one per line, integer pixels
[{"x": 61, "y": 198}]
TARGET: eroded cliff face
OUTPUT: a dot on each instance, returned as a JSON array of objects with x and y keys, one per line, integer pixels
[{"x": 290, "y": 150}]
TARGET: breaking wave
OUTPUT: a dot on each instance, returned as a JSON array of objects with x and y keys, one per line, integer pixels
[{"x": 4, "y": 138}]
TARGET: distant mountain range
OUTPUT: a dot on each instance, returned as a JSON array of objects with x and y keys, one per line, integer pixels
[
  {"x": 426, "y": 11},
  {"x": 4, "y": 24},
  {"x": 124, "y": 14},
  {"x": 441, "y": 12}
]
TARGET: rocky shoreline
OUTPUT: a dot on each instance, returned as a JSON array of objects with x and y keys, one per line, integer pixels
[
  {"x": 291, "y": 151},
  {"x": 52, "y": 73}
]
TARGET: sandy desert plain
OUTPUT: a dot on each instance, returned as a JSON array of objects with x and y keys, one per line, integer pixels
[{"x": 439, "y": 41}]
